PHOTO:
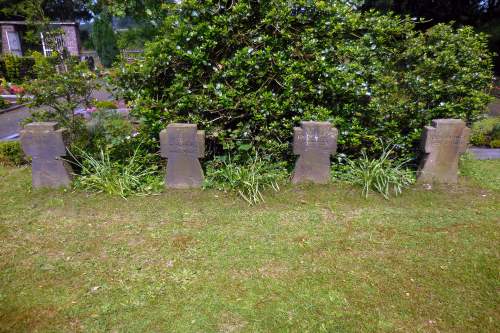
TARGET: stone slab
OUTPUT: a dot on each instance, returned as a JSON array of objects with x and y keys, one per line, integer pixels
[
  {"x": 442, "y": 144},
  {"x": 314, "y": 142},
  {"x": 45, "y": 143},
  {"x": 485, "y": 153},
  {"x": 183, "y": 145}
]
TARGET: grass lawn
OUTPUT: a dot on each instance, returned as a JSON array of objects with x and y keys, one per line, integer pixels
[{"x": 311, "y": 259}]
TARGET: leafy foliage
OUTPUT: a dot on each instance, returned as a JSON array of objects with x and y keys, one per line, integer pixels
[
  {"x": 462, "y": 11},
  {"x": 16, "y": 69},
  {"x": 495, "y": 133},
  {"x": 60, "y": 90},
  {"x": 113, "y": 160},
  {"x": 105, "y": 105},
  {"x": 11, "y": 153},
  {"x": 61, "y": 10},
  {"x": 140, "y": 10},
  {"x": 135, "y": 38},
  {"x": 3, "y": 103},
  {"x": 486, "y": 131},
  {"x": 482, "y": 14},
  {"x": 249, "y": 180},
  {"x": 383, "y": 175},
  {"x": 102, "y": 174},
  {"x": 110, "y": 131},
  {"x": 495, "y": 143},
  {"x": 248, "y": 71}
]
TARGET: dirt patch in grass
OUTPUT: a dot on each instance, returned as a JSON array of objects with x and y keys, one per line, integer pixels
[
  {"x": 181, "y": 242},
  {"x": 231, "y": 323},
  {"x": 32, "y": 319},
  {"x": 273, "y": 270}
]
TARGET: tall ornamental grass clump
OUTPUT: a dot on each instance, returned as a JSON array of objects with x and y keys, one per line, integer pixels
[
  {"x": 248, "y": 71},
  {"x": 384, "y": 174},
  {"x": 249, "y": 179},
  {"x": 103, "y": 175}
]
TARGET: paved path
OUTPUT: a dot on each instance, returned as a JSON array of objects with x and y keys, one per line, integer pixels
[
  {"x": 485, "y": 153},
  {"x": 9, "y": 122}
]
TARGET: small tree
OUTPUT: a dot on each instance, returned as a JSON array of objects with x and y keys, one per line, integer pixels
[
  {"x": 61, "y": 92},
  {"x": 104, "y": 40}
]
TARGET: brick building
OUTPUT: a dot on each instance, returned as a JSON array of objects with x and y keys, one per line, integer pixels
[{"x": 12, "y": 40}]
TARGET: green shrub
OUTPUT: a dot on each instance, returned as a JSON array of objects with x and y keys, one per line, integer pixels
[
  {"x": 383, "y": 175},
  {"x": 249, "y": 180},
  {"x": 108, "y": 126},
  {"x": 3, "y": 103},
  {"x": 2, "y": 68},
  {"x": 485, "y": 131},
  {"x": 11, "y": 153},
  {"x": 105, "y": 105},
  {"x": 110, "y": 131},
  {"x": 495, "y": 143},
  {"x": 136, "y": 37},
  {"x": 17, "y": 69},
  {"x": 102, "y": 174},
  {"x": 495, "y": 132},
  {"x": 61, "y": 92},
  {"x": 247, "y": 72}
]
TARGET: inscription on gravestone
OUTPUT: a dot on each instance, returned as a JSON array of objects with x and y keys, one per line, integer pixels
[
  {"x": 45, "y": 143},
  {"x": 183, "y": 145},
  {"x": 314, "y": 142},
  {"x": 442, "y": 143}
]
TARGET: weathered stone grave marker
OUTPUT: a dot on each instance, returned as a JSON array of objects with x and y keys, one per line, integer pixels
[
  {"x": 182, "y": 145},
  {"x": 14, "y": 43},
  {"x": 314, "y": 142},
  {"x": 442, "y": 143},
  {"x": 45, "y": 142}
]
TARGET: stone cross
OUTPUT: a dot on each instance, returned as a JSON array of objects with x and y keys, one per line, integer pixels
[
  {"x": 46, "y": 143},
  {"x": 314, "y": 142},
  {"x": 442, "y": 143},
  {"x": 183, "y": 145}
]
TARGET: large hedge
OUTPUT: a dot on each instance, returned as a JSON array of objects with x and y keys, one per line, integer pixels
[{"x": 248, "y": 71}]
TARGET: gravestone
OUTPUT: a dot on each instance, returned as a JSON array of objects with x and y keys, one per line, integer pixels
[
  {"x": 46, "y": 143},
  {"x": 314, "y": 142},
  {"x": 14, "y": 43},
  {"x": 442, "y": 143},
  {"x": 183, "y": 145}
]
